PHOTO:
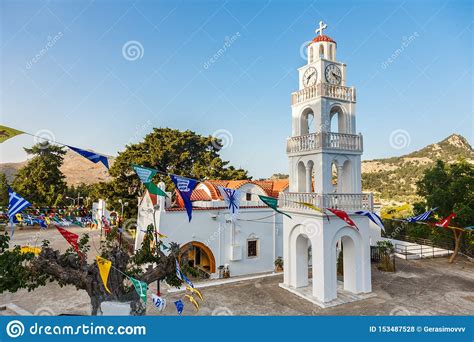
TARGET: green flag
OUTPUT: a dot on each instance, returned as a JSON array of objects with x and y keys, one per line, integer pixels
[
  {"x": 141, "y": 287},
  {"x": 7, "y": 133},
  {"x": 153, "y": 189},
  {"x": 272, "y": 203},
  {"x": 145, "y": 174}
]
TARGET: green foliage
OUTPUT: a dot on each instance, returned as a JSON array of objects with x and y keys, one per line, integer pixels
[
  {"x": 386, "y": 254},
  {"x": 168, "y": 150},
  {"x": 14, "y": 271},
  {"x": 41, "y": 181},
  {"x": 278, "y": 262},
  {"x": 3, "y": 190}
]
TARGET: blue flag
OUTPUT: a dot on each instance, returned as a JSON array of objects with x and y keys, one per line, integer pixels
[
  {"x": 232, "y": 200},
  {"x": 92, "y": 156},
  {"x": 421, "y": 217},
  {"x": 16, "y": 203},
  {"x": 179, "y": 306},
  {"x": 373, "y": 217},
  {"x": 185, "y": 188}
]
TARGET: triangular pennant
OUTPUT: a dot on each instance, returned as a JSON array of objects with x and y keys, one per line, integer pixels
[
  {"x": 92, "y": 156},
  {"x": 104, "y": 269},
  {"x": 70, "y": 237},
  {"x": 8, "y": 132},
  {"x": 153, "y": 189},
  {"x": 272, "y": 203},
  {"x": 141, "y": 287},
  {"x": 343, "y": 216},
  {"x": 185, "y": 187},
  {"x": 144, "y": 173}
]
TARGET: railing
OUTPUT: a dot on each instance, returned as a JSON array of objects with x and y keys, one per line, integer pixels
[
  {"x": 324, "y": 89},
  {"x": 289, "y": 201},
  {"x": 325, "y": 140},
  {"x": 420, "y": 251}
]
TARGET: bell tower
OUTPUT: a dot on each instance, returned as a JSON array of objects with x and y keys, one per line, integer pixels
[{"x": 324, "y": 153}]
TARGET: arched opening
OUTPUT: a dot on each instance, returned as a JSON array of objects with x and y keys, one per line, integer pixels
[
  {"x": 346, "y": 177},
  {"x": 309, "y": 176},
  {"x": 331, "y": 52},
  {"x": 307, "y": 125},
  {"x": 311, "y": 56},
  {"x": 199, "y": 256},
  {"x": 321, "y": 51},
  {"x": 337, "y": 120},
  {"x": 301, "y": 261},
  {"x": 334, "y": 176},
  {"x": 301, "y": 179},
  {"x": 346, "y": 260}
]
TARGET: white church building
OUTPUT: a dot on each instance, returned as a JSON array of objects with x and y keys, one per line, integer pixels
[
  {"x": 324, "y": 153},
  {"x": 247, "y": 246}
]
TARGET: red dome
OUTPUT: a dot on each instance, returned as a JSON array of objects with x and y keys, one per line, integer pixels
[{"x": 323, "y": 38}]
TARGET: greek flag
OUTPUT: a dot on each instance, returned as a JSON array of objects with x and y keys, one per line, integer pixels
[
  {"x": 232, "y": 200},
  {"x": 159, "y": 302},
  {"x": 187, "y": 280},
  {"x": 92, "y": 156},
  {"x": 421, "y": 217},
  {"x": 16, "y": 203},
  {"x": 373, "y": 217},
  {"x": 178, "y": 271}
]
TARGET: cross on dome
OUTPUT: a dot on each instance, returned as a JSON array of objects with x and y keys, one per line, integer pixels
[{"x": 322, "y": 26}]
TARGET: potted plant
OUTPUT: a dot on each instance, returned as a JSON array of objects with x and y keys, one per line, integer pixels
[{"x": 279, "y": 264}]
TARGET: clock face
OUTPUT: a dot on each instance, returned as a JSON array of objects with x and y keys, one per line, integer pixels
[
  {"x": 333, "y": 74},
  {"x": 309, "y": 77}
]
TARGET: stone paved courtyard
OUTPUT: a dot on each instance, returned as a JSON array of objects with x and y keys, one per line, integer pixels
[{"x": 419, "y": 287}]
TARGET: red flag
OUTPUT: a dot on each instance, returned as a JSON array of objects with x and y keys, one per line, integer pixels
[
  {"x": 343, "y": 216},
  {"x": 445, "y": 222},
  {"x": 70, "y": 237}
]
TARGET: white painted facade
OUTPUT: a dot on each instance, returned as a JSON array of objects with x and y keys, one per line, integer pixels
[
  {"x": 325, "y": 170},
  {"x": 211, "y": 225}
]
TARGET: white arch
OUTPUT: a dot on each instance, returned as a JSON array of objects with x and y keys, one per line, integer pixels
[
  {"x": 353, "y": 255},
  {"x": 299, "y": 243}
]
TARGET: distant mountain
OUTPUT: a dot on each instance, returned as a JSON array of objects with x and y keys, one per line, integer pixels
[
  {"x": 76, "y": 168},
  {"x": 394, "y": 179}
]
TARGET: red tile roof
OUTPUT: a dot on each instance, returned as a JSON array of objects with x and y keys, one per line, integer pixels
[{"x": 323, "y": 38}]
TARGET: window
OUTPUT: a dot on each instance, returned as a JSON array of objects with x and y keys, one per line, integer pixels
[
  {"x": 252, "y": 248},
  {"x": 248, "y": 197}
]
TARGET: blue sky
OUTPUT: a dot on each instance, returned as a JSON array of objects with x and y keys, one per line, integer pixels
[{"x": 64, "y": 75}]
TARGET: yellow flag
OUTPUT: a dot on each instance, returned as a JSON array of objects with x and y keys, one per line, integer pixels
[
  {"x": 104, "y": 269},
  {"x": 28, "y": 249},
  {"x": 7, "y": 133},
  {"x": 311, "y": 206},
  {"x": 193, "y": 301},
  {"x": 48, "y": 221},
  {"x": 195, "y": 291},
  {"x": 19, "y": 218}
]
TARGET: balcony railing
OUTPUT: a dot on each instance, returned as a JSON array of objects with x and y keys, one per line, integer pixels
[
  {"x": 350, "y": 202},
  {"x": 324, "y": 89},
  {"x": 325, "y": 140}
]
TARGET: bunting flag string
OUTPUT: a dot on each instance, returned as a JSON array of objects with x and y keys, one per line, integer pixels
[
  {"x": 272, "y": 203},
  {"x": 185, "y": 187},
  {"x": 232, "y": 200},
  {"x": 146, "y": 175},
  {"x": 315, "y": 208},
  {"x": 70, "y": 237},
  {"x": 159, "y": 302},
  {"x": 421, "y": 217},
  {"x": 195, "y": 291},
  {"x": 92, "y": 156},
  {"x": 193, "y": 301},
  {"x": 343, "y": 216},
  {"x": 373, "y": 217},
  {"x": 444, "y": 223},
  {"x": 104, "y": 269},
  {"x": 179, "y": 306},
  {"x": 7, "y": 133},
  {"x": 141, "y": 287}
]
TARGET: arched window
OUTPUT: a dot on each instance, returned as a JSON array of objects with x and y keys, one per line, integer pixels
[
  {"x": 321, "y": 51},
  {"x": 307, "y": 125},
  {"x": 310, "y": 59},
  {"x": 331, "y": 52},
  {"x": 338, "y": 124}
]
